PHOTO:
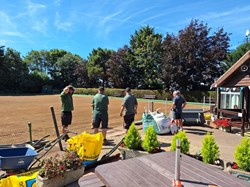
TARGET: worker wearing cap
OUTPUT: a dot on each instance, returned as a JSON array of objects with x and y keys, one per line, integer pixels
[{"x": 67, "y": 108}]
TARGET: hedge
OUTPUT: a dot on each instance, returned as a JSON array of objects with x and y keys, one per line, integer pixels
[{"x": 191, "y": 96}]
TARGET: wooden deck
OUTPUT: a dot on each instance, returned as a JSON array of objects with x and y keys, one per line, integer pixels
[{"x": 158, "y": 170}]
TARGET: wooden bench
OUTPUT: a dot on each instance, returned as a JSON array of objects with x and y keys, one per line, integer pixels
[{"x": 90, "y": 180}]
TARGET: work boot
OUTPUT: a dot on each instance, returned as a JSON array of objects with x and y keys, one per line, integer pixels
[{"x": 66, "y": 137}]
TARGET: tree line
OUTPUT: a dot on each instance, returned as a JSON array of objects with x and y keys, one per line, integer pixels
[{"x": 190, "y": 60}]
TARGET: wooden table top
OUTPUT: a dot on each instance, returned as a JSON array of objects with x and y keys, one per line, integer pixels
[{"x": 158, "y": 170}]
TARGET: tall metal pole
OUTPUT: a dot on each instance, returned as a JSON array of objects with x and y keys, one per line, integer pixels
[
  {"x": 177, "y": 182},
  {"x": 56, "y": 127},
  {"x": 177, "y": 160}
]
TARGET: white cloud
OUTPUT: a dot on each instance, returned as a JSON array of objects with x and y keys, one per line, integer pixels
[
  {"x": 6, "y": 22},
  {"x": 8, "y": 27},
  {"x": 57, "y": 2},
  {"x": 11, "y": 33},
  {"x": 40, "y": 25},
  {"x": 60, "y": 25},
  {"x": 33, "y": 8}
]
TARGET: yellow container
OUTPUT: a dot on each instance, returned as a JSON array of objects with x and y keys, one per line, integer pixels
[{"x": 207, "y": 116}]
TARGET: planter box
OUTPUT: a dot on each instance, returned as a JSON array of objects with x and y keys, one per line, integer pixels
[
  {"x": 59, "y": 181},
  {"x": 213, "y": 125},
  {"x": 131, "y": 153},
  {"x": 244, "y": 175}
]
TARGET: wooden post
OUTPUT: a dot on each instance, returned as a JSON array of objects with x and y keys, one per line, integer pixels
[
  {"x": 152, "y": 106},
  {"x": 218, "y": 102},
  {"x": 243, "y": 122},
  {"x": 56, "y": 127}
]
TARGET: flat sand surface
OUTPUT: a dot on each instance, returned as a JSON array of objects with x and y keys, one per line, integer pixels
[{"x": 17, "y": 111}]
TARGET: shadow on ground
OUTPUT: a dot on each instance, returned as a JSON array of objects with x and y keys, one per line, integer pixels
[
  {"x": 164, "y": 144},
  {"x": 196, "y": 131}
]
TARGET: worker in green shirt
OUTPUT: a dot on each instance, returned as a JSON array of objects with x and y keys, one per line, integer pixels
[
  {"x": 129, "y": 108},
  {"x": 100, "y": 112},
  {"x": 67, "y": 108}
]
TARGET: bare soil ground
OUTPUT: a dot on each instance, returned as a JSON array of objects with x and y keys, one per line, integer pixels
[{"x": 17, "y": 111}]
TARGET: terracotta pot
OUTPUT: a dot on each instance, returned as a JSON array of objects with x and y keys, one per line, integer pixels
[{"x": 69, "y": 176}]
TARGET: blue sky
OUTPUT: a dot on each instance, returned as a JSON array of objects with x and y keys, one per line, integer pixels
[{"x": 79, "y": 26}]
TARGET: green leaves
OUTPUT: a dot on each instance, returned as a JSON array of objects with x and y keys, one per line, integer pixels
[
  {"x": 195, "y": 56},
  {"x": 185, "y": 144},
  {"x": 150, "y": 141},
  {"x": 132, "y": 139},
  {"x": 98, "y": 65},
  {"x": 146, "y": 48},
  {"x": 209, "y": 150},
  {"x": 242, "y": 154}
]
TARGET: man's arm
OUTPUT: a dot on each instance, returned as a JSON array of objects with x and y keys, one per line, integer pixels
[
  {"x": 184, "y": 104},
  {"x": 122, "y": 109},
  {"x": 136, "y": 106},
  {"x": 173, "y": 106}
]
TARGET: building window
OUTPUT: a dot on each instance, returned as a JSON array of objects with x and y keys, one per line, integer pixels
[{"x": 231, "y": 98}]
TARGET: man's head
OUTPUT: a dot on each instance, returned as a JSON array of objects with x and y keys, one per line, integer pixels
[
  {"x": 177, "y": 92},
  {"x": 101, "y": 89},
  {"x": 71, "y": 88},
  {"x": 127, "y": 90}
]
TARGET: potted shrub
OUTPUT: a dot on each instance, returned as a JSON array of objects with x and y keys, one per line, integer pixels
[
  {"x": 133, "y": 139},
  {"x": 150, "y": 142},
  {"x": 241, "y": 167},
  {"x": 185, "y": 144},
  {"x": 210, "y": 150},
  {"x": 242, "y": 154},
  {"x": 58, "y": 172},
  {"x": 132, "y": 144}
]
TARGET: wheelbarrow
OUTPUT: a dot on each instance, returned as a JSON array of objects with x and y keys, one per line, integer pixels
[{"x": 19, "y": 159}]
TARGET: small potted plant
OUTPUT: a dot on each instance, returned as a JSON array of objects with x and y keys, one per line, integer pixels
[
  {"x": 210, "y": 151},
  {"x": 135, "y": 147},
  {"x": 241, "y": 166},
  {"x": 56, "y": 171},
  {"x": 132, "y": 144},
  {"x": 185, "y": 144},
  {"x": 223, "y": 125},
  {"x": 150, "y": 142}
]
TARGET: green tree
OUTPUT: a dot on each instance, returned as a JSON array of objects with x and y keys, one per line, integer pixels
[
  {"x": 236, "y": 54},
  {"x": 195, "y": 56},
  {"x": 13, "y": 72},
  {"x": 82, "y": 79},
  {"x": 37, "y": 61},
  {"x": 146, "y": 48},
  {"x": 98, "y": 65},
  {"x": 1, "y": 54},
  {"x": 120, "y": 73},
  {"x": 67, "y": 66},
  {"x": 52, "y": 57}
]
